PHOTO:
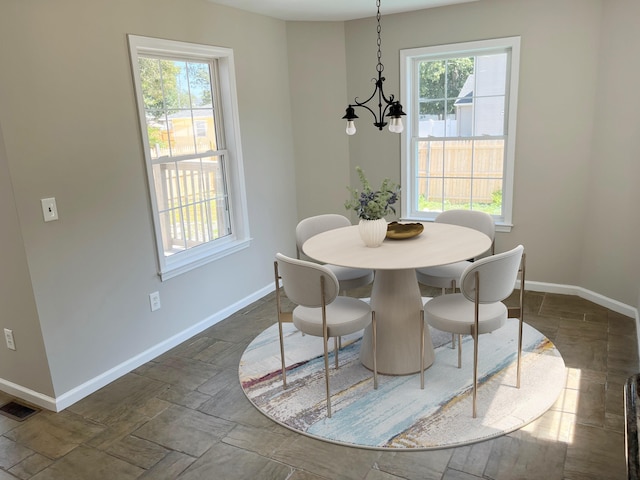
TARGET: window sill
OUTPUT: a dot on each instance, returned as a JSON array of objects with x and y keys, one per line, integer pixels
[{"x": 198, "y": 259}]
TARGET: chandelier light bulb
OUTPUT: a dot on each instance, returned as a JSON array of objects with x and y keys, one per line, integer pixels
[
  {"x": 399, "y": 125},
  {"x": 351, "y": 127}
]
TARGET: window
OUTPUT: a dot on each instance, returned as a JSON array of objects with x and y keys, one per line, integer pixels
[
  {"x": 189, "y": 121},
  {"x": 458, "y": 147}
]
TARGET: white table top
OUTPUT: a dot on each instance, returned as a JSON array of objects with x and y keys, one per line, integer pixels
[{"x": 438, "y": 244}]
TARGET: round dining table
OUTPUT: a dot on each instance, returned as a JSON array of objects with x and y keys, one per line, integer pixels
[{"x": 395, "y": 295}]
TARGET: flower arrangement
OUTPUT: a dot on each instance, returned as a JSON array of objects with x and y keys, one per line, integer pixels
[{"x": 373, "y": 204}]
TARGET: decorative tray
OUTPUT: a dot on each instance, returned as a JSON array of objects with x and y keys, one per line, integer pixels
[{"x": 400, "y": 231}]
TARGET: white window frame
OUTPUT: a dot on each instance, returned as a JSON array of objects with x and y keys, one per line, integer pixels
[
  {"x": 408, "y": 57},
  {"x": 171, "y": 265}
]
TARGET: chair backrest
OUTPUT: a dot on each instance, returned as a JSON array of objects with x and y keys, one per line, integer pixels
[
  {"x": 302, "y": 284},
  {"x": 311, "y": 226},
  {"x": 481, "y": 221},
  {"x": 497, "y": 276}
]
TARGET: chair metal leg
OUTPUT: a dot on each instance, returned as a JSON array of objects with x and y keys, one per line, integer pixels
[
  {"x": 374, "y": 331},
  {"x": 284, "y": 370},
  {"x": 475, "y": 370},
  {"x": 326, "y": 374},
  {"x": 475, "y": 331},
  {"x": 279, "y": 311},
  {"x": 521, "y": 319},
  {"x": 459, "y": 351}
]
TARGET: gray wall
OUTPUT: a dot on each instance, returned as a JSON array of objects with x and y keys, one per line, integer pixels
[
  {"x": 577, "y": 134},
  {"x": 75, "y": 291},
  {"x": 68, "y": 116}
]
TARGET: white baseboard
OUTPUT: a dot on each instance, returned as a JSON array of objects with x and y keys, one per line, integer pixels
[
  {"x": 72, "y": 396},
  {"x": 594, "y": 297},
  {"x": 28, "y": 395},
  {"x": 78, "y": 393}
]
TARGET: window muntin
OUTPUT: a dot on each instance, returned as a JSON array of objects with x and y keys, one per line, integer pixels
[
  {"x": 188, "y": 111},
  {"x": 457, "y": 151}
]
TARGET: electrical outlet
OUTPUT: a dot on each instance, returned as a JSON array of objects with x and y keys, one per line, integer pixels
[
  {"x": 154, "y": 301},
  {"x": 49, "y": 209},
  {"x": 8, "y": 336}
]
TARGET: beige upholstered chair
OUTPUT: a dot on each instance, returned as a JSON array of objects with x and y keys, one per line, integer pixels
[
  {"x": 478, "y": 308},
  {"x": 319, "y": 311},
  {"x": 447, "y": 276},
  {"x": 347, "y": 277}
]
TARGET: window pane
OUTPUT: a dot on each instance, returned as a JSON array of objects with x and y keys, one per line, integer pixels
[
  {"x": 489, "y": 116},
  {"x": 200, "y": 84},
  {"x": 458, "y": 158},
  {"x": 488, "y": 158},
  {"x": 491, "y": 75},
  {"x": 205, "y": 130},
  {"x": 459, "y": 77}
]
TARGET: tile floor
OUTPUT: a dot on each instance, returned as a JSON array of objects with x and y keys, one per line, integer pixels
[{"x": 183, "y": 415}]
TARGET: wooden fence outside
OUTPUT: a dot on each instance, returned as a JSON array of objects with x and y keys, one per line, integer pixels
[{"x": 462, "y": 169}]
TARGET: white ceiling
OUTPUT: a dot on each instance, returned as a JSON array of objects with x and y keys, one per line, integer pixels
[{"x": 331, "y": 10}]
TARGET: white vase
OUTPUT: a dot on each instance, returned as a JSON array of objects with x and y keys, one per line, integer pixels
[{"x": 373, "y": 232}]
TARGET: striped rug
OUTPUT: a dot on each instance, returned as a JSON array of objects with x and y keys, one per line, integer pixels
[{"x": 399, "y": 415}]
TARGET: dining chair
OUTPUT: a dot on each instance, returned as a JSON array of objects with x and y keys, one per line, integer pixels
[
  {"x": 479, "y": 307},
  {"x": 348, "y": 278},
  {"x": 448, "y": 276},
  {"x": 320, "y": 310}
]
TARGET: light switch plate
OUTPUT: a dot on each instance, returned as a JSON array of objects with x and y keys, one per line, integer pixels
[{"x": 49, "y": 209}]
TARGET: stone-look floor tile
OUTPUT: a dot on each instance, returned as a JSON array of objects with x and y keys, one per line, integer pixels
[
  {"x": 583, "y": 329},
  {"x": 30, "y": 466},
  {"x": 581, "y": 352},
  {"x": 591, "y": 404},
  {"x": 12, "y": 453},
  {"x": 595, "y": 453},
  {"x": 230, "y": 463},
  {"x": 137, "y": 451},
  {"x": 232, "y": 404},
  {"x": 545, "y": 325},
  {"x": 228, "y": 378},
  {"x": 54, "y": 435},
  {"x": 184, "y": 430},
  {"x": 117, "y": 399},
  {"x": 471, "y": 459},
  {"x": 621, "y": 324},
  {"x": 182, "y": 396},
  {"x": 183, "y": 372},
  {"x": 7, "y": 423},
  {"x": 151, "y": 415},
  {"x": 84, "y": 463},
  {"x": 213, "y": 351},
  {"x": 259, "y": 440},
  {"x": 521, "y": 456},
  {"x": 126, "y": 424},
  {"x": 6, "y": 476},
  {"x": 374, "y": 474},
  {"x": 569, "y": 306},
  {"x": 189, "y": 348},
  {"x": 552, "y": 427},
  {"x": 170, "y": 467},
  {"x": 326, "y": 459},
  {"x": 615, "y": 422},
  {"x": 614, "y": 399}
]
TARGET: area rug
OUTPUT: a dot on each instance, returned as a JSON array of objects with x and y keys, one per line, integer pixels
[{"x": 399, "y": 415}]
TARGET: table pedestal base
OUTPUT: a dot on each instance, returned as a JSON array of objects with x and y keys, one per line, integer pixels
[{"x": 397, "y": 301}]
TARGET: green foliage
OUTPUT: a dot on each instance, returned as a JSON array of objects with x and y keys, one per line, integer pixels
[
  {"x": 372, "y": 204},
  {"x": 440, "y": 80},
  {"x": 493, "y": 208}
]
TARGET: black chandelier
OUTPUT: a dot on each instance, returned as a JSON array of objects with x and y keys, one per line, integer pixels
[{"x": 394, "y": 108}]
